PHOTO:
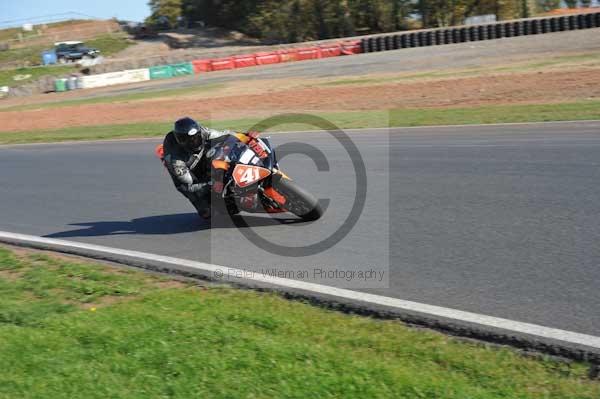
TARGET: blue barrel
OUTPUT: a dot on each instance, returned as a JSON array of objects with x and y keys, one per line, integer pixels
[{"x": 48, "y": 57}]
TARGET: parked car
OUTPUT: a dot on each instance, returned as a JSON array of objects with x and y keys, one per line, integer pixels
[{"x": 74, "y": 51}]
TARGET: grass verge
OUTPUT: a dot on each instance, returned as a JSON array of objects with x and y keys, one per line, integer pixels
[
  {"x": 72, "y": 329},
  {"x": 21, "y": 76},
  {"x": 548, "y": 63},
  {"x": 581, "y": 110},
  {"x": 144, "y": 95}
]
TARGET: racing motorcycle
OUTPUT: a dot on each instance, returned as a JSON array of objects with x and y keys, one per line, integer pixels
[{"x": 248, "y": 172}]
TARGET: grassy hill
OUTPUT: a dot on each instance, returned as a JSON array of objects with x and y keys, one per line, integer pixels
[
  {"x": 25, "y": 47},
  {"x": 22, "y": 62}
]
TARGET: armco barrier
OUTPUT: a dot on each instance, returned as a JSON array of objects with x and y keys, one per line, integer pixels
[
  {"x": 461, "y": 34},
  {"x": 161, "y": 72},
  {"x": 351, "y": 47},
  {"x": 114, "y": 78},
  {"x": 331, "y": 51},
  {"x": 221, "y": 64},
  {"x": 202, "y": 66},
  {"x": 311, "y": 53},
  {"x": 290, "y": 55},
  {"x": 283, "y": 55},
  {"x": 243, "y": 61},
  {"x": 183, "y": 69},
  {"x": 267, "y": 58}
]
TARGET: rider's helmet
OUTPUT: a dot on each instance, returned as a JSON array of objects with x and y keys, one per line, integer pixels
[{"x": 189, "y": 134}]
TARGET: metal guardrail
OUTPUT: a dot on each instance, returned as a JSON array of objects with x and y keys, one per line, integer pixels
[{"x": 473, "y": 33}]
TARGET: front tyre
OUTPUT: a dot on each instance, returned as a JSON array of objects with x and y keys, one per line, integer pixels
[{"x": 298, "y": 201}]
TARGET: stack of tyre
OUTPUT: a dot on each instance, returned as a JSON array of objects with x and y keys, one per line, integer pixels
[{"x": 461, "y": 34}]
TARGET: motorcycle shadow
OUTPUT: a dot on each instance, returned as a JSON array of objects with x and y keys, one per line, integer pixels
[{"x": 169, "y": 224}]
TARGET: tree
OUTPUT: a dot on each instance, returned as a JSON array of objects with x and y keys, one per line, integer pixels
[
  {"x": 300, "y": 20},
  {"x": 165, "y": 9},
  {"x": 571, "y": 3}
]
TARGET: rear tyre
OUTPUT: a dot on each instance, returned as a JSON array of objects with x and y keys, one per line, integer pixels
[{"x": 298, "y": 201}]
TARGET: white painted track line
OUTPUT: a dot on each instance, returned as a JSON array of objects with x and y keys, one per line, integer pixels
[{"x": 399, "y": 304}]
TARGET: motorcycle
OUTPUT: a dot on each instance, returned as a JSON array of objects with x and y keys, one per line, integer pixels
[{"x": 247, "y": 172}]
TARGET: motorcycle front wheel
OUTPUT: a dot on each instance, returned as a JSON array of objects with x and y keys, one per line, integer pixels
[{"x": 298, "y": 201}]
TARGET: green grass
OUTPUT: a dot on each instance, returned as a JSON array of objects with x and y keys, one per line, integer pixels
[
  {"x": 145, "y": 340},
  {"x": 581, "y": 110},
  {"x": 31, "y": 55},
  {"x": 7, "y": 77},
  {"x": 121, "y": 98},
  {"x": 110, "y": 44},
  {"x": 566, "y": 60}
]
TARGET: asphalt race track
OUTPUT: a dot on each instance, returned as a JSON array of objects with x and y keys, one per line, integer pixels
[{"x": 497, "y": 220}]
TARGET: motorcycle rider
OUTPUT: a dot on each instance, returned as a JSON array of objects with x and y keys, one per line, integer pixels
[{"x": 183, "y": 154}]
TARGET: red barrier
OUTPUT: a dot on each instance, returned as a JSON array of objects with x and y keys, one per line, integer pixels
[
  {"x": 350, "y": 48},
  {"x": 221, "y": 64},
  {"x": 331, "y": 50},
  {"x": 243, "y": 61},
  {"x": 309, "y": 53},
  {"x": 288, "y": 55},
  {"x": 267, "y": 58},
  {"x": 202, "y": 66}
]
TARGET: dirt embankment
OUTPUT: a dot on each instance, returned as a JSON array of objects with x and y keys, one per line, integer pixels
[
  {"x": 534, "y": 87},
  {"x": 68, "y": 30}
]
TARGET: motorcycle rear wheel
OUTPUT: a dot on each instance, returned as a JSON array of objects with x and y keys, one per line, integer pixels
[{"x": 298, "y": 201}]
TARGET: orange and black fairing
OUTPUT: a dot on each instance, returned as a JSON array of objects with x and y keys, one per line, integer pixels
[
  {"x": 275, "y": 196},
  {"x": 219, "y": 168},
  {"x": 220, "y": 165},
  {"x": 247, "y": 175}
]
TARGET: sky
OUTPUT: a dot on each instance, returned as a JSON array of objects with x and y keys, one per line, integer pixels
[{"x": 131, "y": 10}]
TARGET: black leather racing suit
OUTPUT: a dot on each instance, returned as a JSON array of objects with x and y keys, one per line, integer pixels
[{"x": 190, "y": 171}]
